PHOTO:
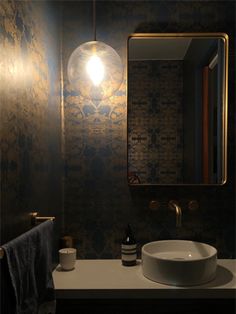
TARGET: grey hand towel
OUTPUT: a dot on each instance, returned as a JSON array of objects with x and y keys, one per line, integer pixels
[{"x": 29, "y": 259}]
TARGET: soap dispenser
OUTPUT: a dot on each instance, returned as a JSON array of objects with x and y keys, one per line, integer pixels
[{"x": 128, "y": 248}]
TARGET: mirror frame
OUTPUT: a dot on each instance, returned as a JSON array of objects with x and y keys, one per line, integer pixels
[{"x": 225, "y": 39}]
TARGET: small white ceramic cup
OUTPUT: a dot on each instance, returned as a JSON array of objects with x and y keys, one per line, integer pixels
[{"x": 67, "y": 258}]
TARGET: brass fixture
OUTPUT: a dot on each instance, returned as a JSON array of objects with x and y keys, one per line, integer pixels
[
  {"x": 193, "y": 205},
  {"x": 153, "y": 205},
  {"x": 173, "y": 205},
  {"x": 35, "y": 219},
  {"x": 94, "y": 68}
]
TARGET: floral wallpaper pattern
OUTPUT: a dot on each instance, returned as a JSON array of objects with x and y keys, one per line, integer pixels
[
  {"x": 155, "y": 122},
  {"x": 30, "y": 114}
]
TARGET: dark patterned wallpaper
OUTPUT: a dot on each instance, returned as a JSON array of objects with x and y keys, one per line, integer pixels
[
  {"x": 98, "y": 201},
  {"x": 30, "y": 114},
  {"x": 155, "y": 122}
]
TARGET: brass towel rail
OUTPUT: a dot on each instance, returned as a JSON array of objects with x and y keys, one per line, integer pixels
[{"x": 35, "y": 219}]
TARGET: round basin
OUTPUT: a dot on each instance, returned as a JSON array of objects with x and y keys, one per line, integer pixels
[{"x": 179, "y": 262}]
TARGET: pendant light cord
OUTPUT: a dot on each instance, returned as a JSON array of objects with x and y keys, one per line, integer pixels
[{"x": 94, "y": 20}]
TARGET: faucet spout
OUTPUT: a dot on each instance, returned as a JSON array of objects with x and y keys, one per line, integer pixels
[
  {"x": 174, "y": 206},
  {"x": 178, "y": 216}
]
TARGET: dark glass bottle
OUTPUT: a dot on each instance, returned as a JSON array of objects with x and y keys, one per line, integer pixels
[{"x": 129, "y": 248}]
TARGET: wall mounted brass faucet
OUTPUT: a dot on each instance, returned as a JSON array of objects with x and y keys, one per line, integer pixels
[{"x": 173, "y": 205}]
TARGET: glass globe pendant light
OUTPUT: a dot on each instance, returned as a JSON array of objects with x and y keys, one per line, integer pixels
[{"x": 95, "y": 69}]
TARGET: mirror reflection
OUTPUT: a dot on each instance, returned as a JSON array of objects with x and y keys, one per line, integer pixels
[{"x": 177, "y": 107}]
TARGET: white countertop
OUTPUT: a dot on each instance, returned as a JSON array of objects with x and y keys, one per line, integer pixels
[{"x": 105, "y": 279}]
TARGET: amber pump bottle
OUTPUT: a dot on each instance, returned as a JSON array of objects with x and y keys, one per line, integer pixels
[{"x": 129, "y": 248}]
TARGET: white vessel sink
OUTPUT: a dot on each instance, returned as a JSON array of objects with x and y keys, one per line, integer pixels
[{"x": 179, "y": 262}]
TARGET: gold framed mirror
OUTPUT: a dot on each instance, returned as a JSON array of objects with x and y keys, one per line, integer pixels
[{"x": 177, "y": 109}]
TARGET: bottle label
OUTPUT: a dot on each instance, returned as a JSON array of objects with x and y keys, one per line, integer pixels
[
  {"x": 128, "y": 246},
  {"x": 129, "y": 252},
  {"x": 126, "y": 257}
]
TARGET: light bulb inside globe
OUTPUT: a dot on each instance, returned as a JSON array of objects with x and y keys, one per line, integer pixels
[{"x": 95, "y": 70}]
